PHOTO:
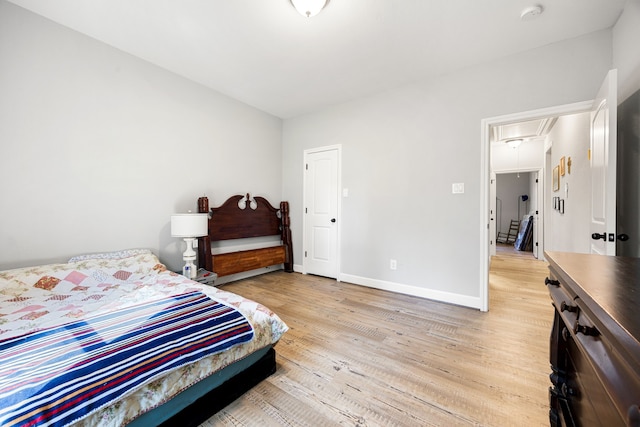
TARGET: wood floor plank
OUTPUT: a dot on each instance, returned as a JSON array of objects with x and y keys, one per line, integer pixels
[{"x": 356, "y": 356}]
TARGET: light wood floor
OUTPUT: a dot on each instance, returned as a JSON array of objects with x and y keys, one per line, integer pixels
[{"x": 356, "y": 356}]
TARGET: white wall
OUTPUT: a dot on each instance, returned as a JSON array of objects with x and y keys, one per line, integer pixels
[
  {"x": 626, "y": 55},
  {"x": 569, "y": 232},
  {"x": 99, "y": 148},
  {"x": 403, "y": 149},
  {"x": 93, "y": 144}
]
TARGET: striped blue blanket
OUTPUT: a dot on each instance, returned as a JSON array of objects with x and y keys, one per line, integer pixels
[{"x": 55, "y": 376}]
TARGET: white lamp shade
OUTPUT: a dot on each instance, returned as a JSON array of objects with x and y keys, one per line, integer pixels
[
  {"x": 189, "y": 225},
  {"x": 309, "y": 8}
]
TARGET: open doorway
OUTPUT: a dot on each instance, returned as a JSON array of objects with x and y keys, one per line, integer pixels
[
  {"x": 489, "y": 166},
  {"x": 517, "y": 161},
  {"x": 516, "y": 208}
]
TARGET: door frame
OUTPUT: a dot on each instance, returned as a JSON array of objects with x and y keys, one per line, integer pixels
[
  {"x": 485, "y": 169},
  {"x": 539, "y": 217},
  {"x": 305, "y": 238},
  {"x": 542, "y": 211},
  {"x": 493, "y": 215}
]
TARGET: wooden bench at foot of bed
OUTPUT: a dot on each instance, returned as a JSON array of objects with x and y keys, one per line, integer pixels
[{"x": 242, "y": 217}]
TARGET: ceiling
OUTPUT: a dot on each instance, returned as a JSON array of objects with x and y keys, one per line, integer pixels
[
  {"x": 263, "y": 53},
  {"x": 529, "y": 130}
]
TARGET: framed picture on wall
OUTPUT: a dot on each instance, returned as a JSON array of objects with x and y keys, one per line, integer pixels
[
  {"x": 562, "y": 166},
  {"x": 556, "y": 178}
]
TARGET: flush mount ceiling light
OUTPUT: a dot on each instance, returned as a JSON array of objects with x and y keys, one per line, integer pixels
[
  {"x": 514, "y": 143},
  {"x": 309, "y": 8},
  {"x": 531, "y": 12}
]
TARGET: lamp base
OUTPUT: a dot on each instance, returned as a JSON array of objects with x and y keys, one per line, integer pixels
[{"x": 189, "y": 270}]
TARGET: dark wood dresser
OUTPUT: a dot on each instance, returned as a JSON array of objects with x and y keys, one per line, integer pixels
[{"x": 595, "y": 340}]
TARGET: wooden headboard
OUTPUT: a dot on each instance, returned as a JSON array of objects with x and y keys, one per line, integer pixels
[{"x": 242, "y": 217}]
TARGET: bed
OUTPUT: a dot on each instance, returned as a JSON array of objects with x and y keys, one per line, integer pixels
[
  {"x": 112, "y": 339},
  {"x": 243, "y": 217}
]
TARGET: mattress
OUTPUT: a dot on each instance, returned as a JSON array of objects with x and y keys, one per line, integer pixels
[{"x": 101, "y": 286}]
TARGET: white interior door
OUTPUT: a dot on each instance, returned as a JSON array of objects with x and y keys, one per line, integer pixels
[
  {"x": 321, "y": 212},
  {"x": 603, "y": 167}
]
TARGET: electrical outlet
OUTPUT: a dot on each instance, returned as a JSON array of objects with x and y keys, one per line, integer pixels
[{"x": 393, "y": 264}]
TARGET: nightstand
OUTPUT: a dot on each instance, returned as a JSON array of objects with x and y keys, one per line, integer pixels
[{"x": 206, "y": 277}]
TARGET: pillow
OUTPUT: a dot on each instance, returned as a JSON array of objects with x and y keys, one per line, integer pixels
[{"x": 110, "y": 255}]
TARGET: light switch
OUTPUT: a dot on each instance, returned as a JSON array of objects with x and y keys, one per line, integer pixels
[
  {"x": 457, "y": 188},
  {"x": 345, "y": 192}
]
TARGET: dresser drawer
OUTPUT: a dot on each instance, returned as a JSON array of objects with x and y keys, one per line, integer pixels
[
  {"x": 595, "y": 340},
  {"x": 590, "y": 400}
]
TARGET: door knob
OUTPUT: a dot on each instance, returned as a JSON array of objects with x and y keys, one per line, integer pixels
[
  {"x": 623, "y": 237},
  {"x": 597, "y": 236},
  {"x": 333, "y": 220}
]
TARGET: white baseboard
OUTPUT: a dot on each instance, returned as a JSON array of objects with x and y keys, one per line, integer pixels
[{"x": 432, "y": 294}]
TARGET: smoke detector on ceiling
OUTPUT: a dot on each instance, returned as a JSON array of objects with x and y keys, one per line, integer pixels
[{"x": 531, "y": 12}]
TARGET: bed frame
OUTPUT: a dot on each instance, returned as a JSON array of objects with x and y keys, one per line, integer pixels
[
  {"x": 238, "y": 218},
  {"x": 241, "y": 217},
  {"x": 195, "y": 405}
]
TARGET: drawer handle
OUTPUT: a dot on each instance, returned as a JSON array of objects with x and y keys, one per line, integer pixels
[
  {"x": 566, "y": 335},
  {"x": 567, "y": 391},
  {"x": 553, "y": 282},
  {"x": 586, "y": 330},
  {"x": 566, "y": 307}
]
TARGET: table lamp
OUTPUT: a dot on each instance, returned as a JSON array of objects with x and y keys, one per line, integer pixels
[{"x": 189, "y": 226}]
